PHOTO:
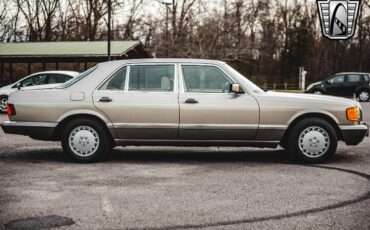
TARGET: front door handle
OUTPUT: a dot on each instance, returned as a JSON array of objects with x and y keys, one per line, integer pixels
[
  {"x": 104, "y": 99},
  {"x": 191, "y": 101}
]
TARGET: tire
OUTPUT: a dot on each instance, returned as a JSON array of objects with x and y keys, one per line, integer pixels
[
  {"x": 363, "y": 95},
  {"x": 312, "y": 140},
  {"x": 3, "y": 102},
  {"x": 318, "y": 92},
  {"x": 85, "y": 140}
]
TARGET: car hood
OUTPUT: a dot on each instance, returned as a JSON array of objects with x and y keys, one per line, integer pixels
[{"x": 310, "y": 100}]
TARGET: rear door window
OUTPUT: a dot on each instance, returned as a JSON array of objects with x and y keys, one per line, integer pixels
[
  {"x": 155, "y": 78},
  {"x": 353, "y": 78}
]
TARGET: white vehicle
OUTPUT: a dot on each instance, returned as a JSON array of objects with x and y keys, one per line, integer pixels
[{"x": 40, "y": 80}]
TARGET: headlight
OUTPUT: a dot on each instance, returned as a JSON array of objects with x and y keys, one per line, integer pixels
[{"x": 353, "y": 114}]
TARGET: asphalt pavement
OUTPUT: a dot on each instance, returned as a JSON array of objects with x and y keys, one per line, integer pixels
[{"x": 182, "y": 188}]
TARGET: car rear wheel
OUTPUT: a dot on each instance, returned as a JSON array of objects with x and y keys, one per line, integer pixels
[
  {"x": 85, "y": 140},
  {"x": 312, "y": 140},
  {"x": 3, "y": 103},
  {"x": 363, "y": 96}
]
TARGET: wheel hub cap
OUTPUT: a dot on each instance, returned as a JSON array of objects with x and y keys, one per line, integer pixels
[
  {"x": 84, "y": 141},
  {"x": 3, "y": 104},
  {"x": 314, "y": 141},
  {"x": 364, "y": 96}
]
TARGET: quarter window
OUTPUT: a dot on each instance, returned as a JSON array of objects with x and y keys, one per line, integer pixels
[
  {"x": 205, "y": 79},
  {"x": 353, "y": 78},
  {"x": 58, "y": 78},
  {"x": 117, "y": 81},
  {"x": 158, "y": 78}
]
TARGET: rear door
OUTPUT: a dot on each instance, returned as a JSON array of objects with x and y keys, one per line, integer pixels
[
  {"x": 352, "y": 82},
  {"x": 208, "y": 111},
  {"x": 141, "y": 101}
]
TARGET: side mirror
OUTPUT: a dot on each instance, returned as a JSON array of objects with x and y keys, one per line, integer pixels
[
  {"x": 327, "y": 82},
  {"x": 19, "y": 86},
  {"x": 235, "y": 88}
]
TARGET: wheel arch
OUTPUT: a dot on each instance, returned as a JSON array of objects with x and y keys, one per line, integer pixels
[
  {"x": 63, "y": 121},
  {"x": 330, "y": 118},
  {"x": 361, "y": 88}
]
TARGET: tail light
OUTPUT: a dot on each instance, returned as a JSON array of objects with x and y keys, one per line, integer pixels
[{"x": 10, "y": 109}]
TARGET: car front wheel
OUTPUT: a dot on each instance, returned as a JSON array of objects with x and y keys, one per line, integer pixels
[
  {"x": 363, "y": 96},
  {"x": 85, "y": 140},
  {"x": 312, "y": 140},
  {"x": 3, "y": 103},
  {"x": 318, "y": 92}
]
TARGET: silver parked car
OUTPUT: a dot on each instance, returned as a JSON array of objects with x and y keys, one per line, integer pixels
[
  {"x": 46, "y": 79},
  {"x": 180, "y": 102}
]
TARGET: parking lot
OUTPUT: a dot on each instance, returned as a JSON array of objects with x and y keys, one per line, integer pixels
[{"x": 182, "y": 188}]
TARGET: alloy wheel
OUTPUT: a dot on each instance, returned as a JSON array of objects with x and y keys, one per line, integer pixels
[
  {"x": 84, "y": 141},
  {"x": 314, "y": 141}
]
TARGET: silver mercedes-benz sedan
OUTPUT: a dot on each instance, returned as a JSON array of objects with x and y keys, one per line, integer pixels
[{"x": 180, "y": 102}]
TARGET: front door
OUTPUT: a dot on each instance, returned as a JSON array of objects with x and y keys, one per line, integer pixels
[
  {"x": 208, "y": 111},
  {"x": 141, "y": 101},
  {"x": 335, "y": 86}
]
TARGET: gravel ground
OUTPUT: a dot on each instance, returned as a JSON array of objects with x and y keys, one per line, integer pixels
[{"x": 182, "y": 188}]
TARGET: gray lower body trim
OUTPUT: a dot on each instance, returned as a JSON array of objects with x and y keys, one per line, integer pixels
[
  {"x": 35, "y": 130},
  {"x": 30, "y": 124},
  {"x": 271, "y": 132},
  {"x": 354, "y": 134},
  {"x": 161, "y": 142}
]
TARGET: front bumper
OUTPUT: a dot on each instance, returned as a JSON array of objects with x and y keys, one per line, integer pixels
[
  {"x": 354, "y": 134},
  {"x": 36, "y": 130}
]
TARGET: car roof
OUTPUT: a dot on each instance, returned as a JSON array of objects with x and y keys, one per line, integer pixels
[
  {"x": 352, "y": 73},
  {"x": 162, "y": 60},
  {"x": 66, "y": 72}
]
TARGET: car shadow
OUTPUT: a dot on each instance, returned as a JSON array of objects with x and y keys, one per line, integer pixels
[{"x": 176, "y": 155}]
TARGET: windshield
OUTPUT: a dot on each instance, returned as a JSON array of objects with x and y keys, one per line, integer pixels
[
  {"x": 76, "y": 79},
  {"x": 245, "y": 82}
]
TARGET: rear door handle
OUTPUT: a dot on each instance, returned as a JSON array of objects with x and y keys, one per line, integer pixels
[
  {"x": 191, "y": 101},
  {"x": 104, "y": 99}
]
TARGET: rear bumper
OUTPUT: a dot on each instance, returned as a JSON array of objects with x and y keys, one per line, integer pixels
[
  {"x": 354, "y": 134},
  {"x": 36, "y": 130}
]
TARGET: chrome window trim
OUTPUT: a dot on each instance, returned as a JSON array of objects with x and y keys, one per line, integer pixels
[{"x": 175, "y": 76}]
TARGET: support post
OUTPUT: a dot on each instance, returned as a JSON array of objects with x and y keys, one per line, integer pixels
[
  {"x": 43, "y": 66},
  {"x": 29, "y": 68},
  {"x": 85, "y": 65},
  {"x": 2, "y": 74},
  {"x": 109, "y": 29},
  {"x": 57, "y": 65},
  {"x": 10, "y": 72}
]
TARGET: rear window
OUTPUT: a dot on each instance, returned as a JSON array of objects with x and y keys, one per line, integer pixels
[
  {"x": 366, "y": 78},
  {"x": 76, "y": 79}
]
